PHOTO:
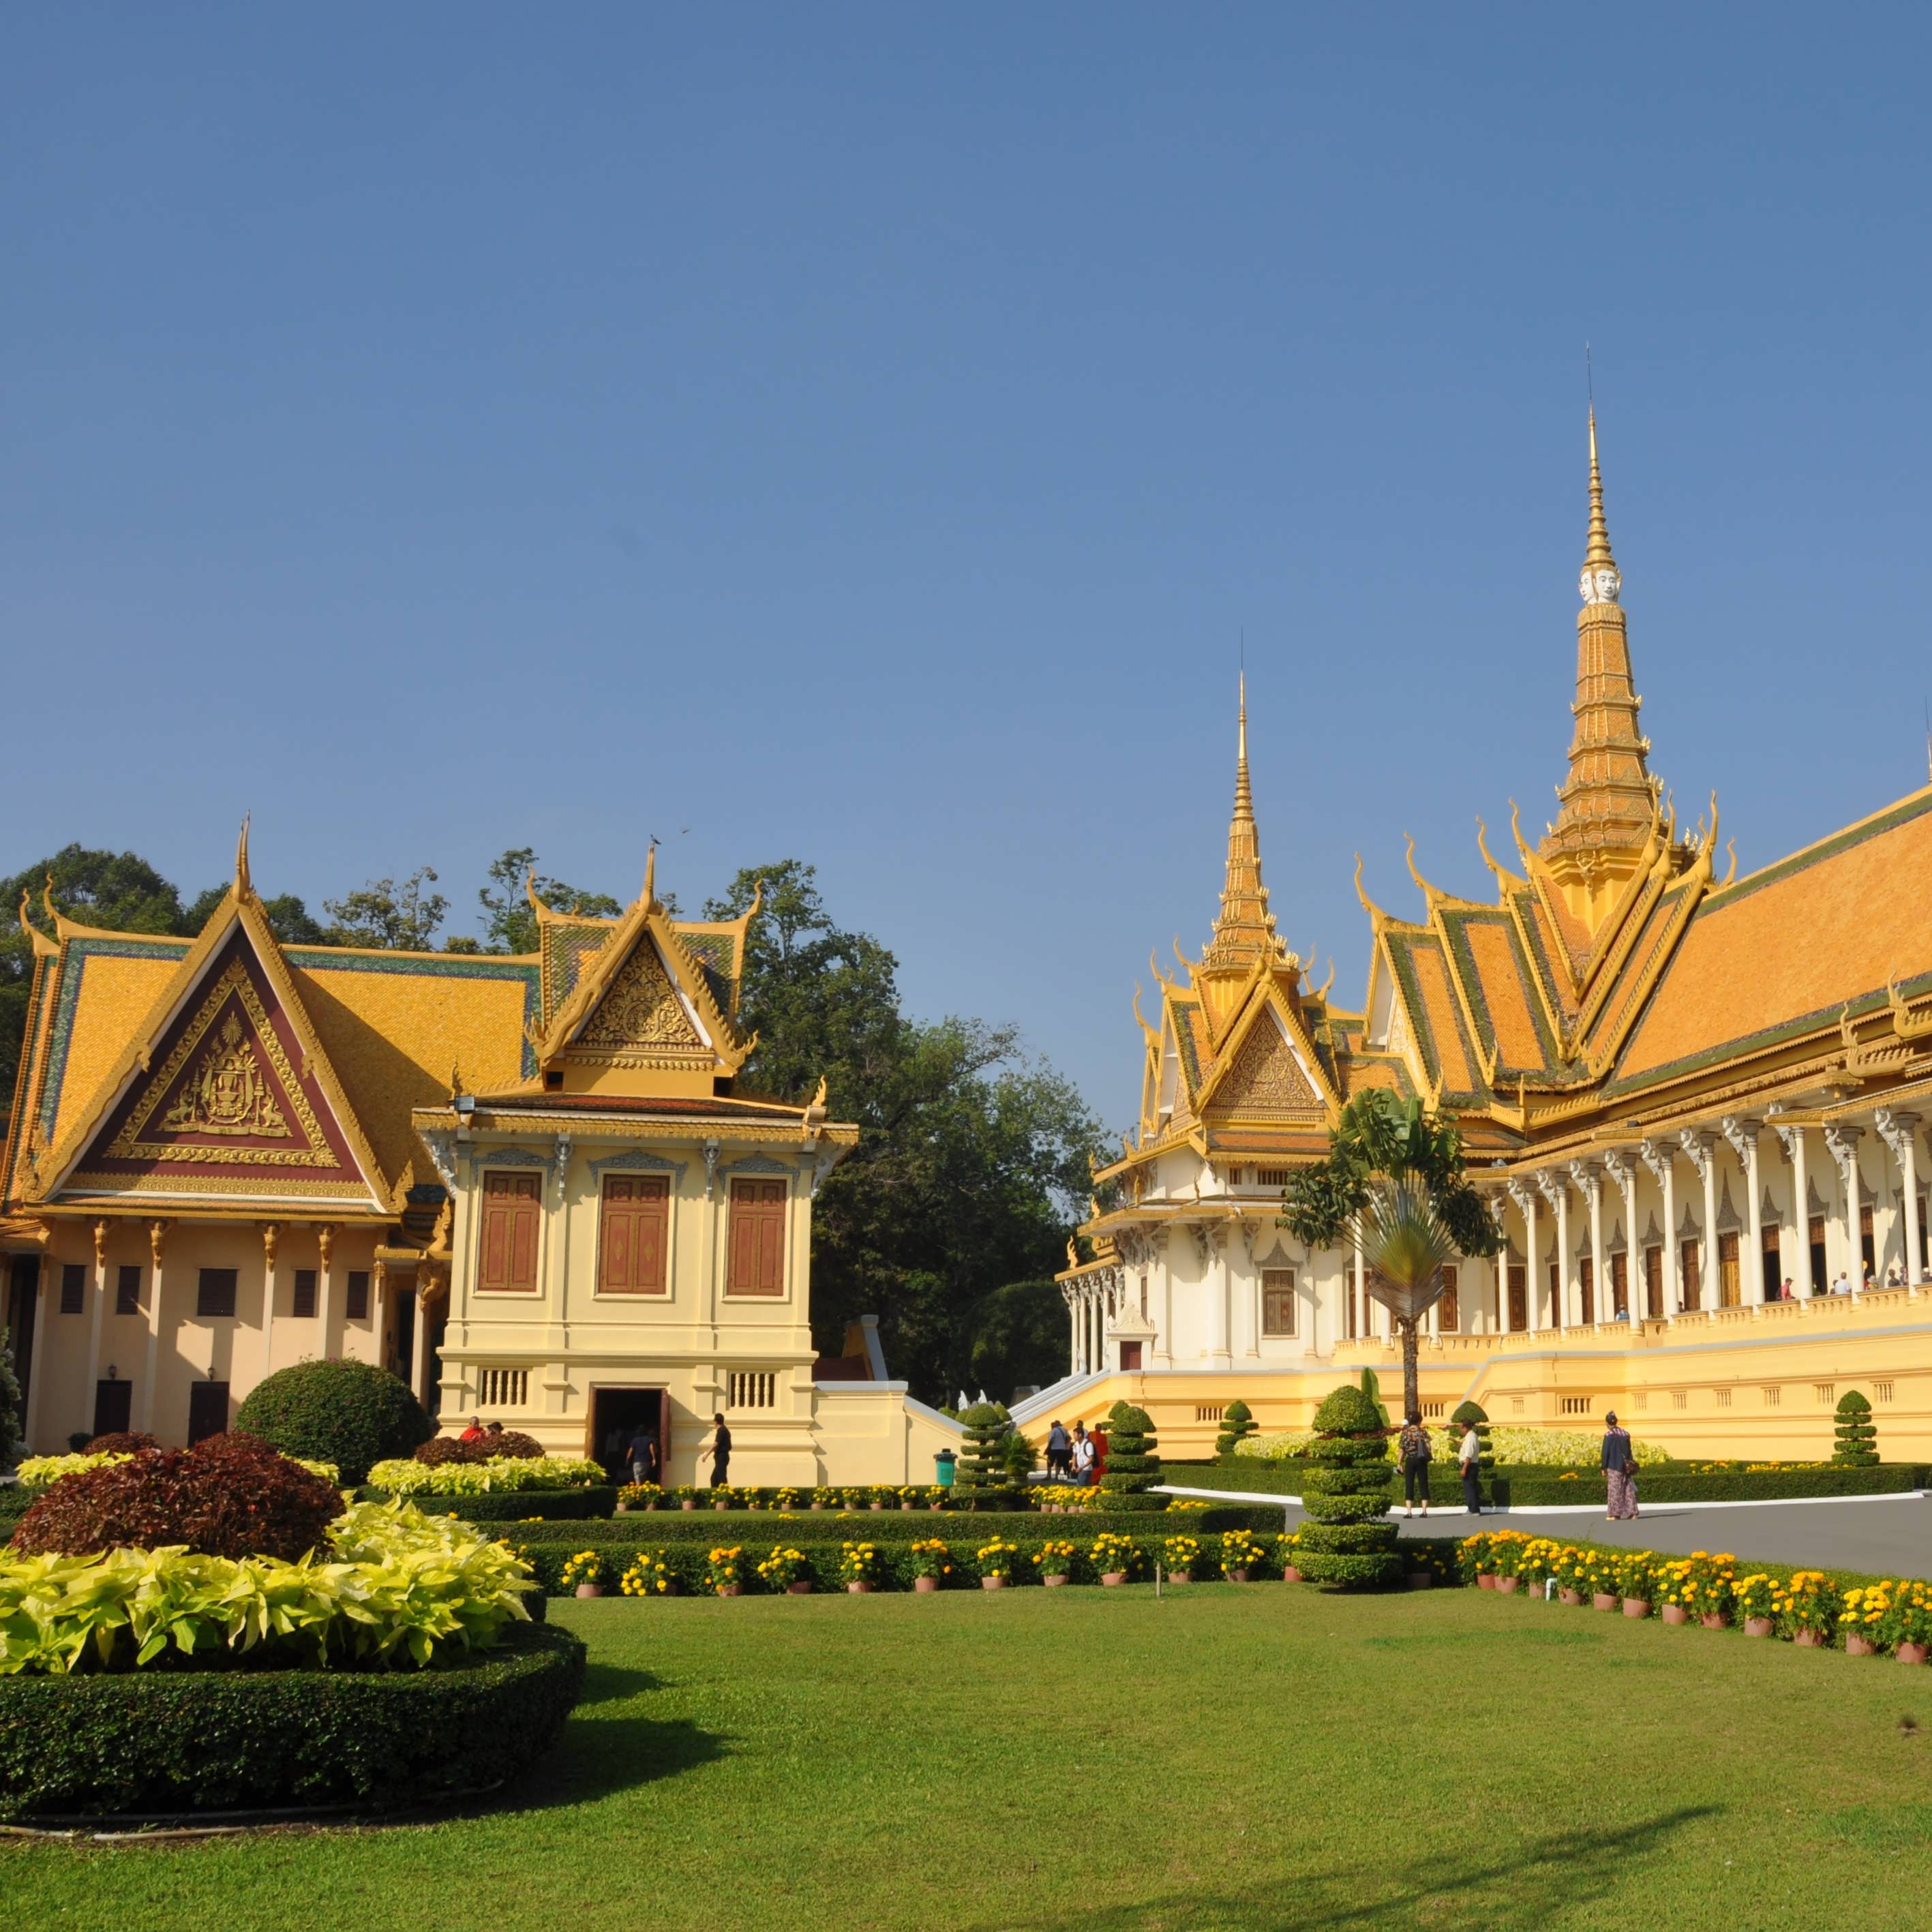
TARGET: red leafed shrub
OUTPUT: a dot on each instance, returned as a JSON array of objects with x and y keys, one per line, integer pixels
[
  {"x": 230, "y": 1495},
  {"x": 122, "y": 1442},
  {"x": 512, "y": 1442}
]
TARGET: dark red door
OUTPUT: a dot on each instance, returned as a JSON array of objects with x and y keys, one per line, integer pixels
[{"x": 207, "y": 1411}]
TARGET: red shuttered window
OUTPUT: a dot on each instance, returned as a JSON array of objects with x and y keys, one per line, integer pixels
[
  {"x": 507, "y": 1258},
  {"x": 635, "y": 1236},
  {"x": 757, "y": 1264}
]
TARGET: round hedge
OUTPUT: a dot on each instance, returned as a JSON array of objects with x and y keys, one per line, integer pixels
[
  {"x": 169, "y": 1742},
  {"x": 230, "y": 1496},
  {"x": 1350, "y": 1543},
  {"x": 1133, "y": 1464},
  {"x": 352, "y": 1414},
  {"x": 1855, "y": 1434}
]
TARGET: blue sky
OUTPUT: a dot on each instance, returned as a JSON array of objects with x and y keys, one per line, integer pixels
[{"x": 866, "y": 435}]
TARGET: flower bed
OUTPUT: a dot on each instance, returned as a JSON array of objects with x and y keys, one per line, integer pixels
[
  {"x": 558, "y": 1506},
  {"x": 172, "y": 1741},
  {"x": 403, "y": 1476}
]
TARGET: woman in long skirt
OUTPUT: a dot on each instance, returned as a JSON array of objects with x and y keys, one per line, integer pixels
[{"x": 1619, "y": 1470}]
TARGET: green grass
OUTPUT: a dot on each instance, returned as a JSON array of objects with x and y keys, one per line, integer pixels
[{"x": 1263, "y": 1759}]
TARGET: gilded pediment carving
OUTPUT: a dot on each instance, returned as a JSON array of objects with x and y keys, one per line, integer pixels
[{"x": 640, "y": 1011}]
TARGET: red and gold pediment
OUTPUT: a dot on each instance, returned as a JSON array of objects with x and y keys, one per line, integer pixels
[{"x": 227, "y": 1099}]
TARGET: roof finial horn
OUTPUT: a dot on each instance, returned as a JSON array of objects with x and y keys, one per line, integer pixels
[{"x": 242, "y": 884}]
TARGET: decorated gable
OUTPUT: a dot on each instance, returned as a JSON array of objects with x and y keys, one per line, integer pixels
[
  {"x": 1265, "y": 1076},
  {"x": 641, "y": 1013},
  {"x": 227, "y": 1101}
]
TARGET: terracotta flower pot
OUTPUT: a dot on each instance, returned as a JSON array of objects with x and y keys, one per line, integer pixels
[
  {"x": 651, "y": 1503},
  {"x": 1676, "y": 1613},
  {"x": 1757, "y": 1627},
  {"x": 925, "y": 1585},
  {"x": 590, "y": 1589},
  {"x": 1422, "y": 1579},
  {"x": 1506, "y": 1586},
  {"x": 1053, "y": 1582},
  {"x": 1859, "y": 1646},
  {"x": 905, "y": 1506},
  {"x": 1637, "y": 1606},
  {"x": 1239, "y": 1574},
  {"x": 623, "y": 1509},
  {"x": 1486, "y": 1579},
  {"x": 721, "y": 1506},
  {"x": 1290, "y": 1574},
  {"x": 858, "y": 1589},
  {"x": 800, "y": 1589},
  {"x": 1573, "y": 1598},
  {"x": 878, "y": 1506},
  {"x": 1715, "y": 1620},
  {"x": 939, "y": 1505},
  {"x": 992, "y": 1582},
  {"x": 730, "y": 1589},
  {"x": 1111, "y": 1577},
  {"x": 1600, "y": 1601},
  {"x": 1809, "y": 1639},
  {"x": 688, "y": 1502},
  {"x": 816, "y": 1506},
  {"x": 1910, "y": 1653}
]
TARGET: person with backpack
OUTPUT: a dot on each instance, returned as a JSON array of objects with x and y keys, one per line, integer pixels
[
  {"x": 1059, "y": 1452},
  {"x": 1413, "y": 1452}
]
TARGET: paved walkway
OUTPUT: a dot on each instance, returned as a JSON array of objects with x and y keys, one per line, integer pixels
[{"x": 1890, "y": 1537}]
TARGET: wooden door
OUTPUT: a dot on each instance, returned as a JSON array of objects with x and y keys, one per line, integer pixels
[
  {"x": 1518, "y": 1297},
  {"x": 1586, "y": 1276},
  {"x": 1653, "y": 1283},
  {"x": 207, "y": 1411},
  {"x": 1690, "y": 1259},
  {"x": 1729, "y": 1289},
  {"x": 113, "y": 1407}
]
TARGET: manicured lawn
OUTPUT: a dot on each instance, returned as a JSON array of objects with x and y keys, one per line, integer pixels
[{"x": 1261, "y": 1758}]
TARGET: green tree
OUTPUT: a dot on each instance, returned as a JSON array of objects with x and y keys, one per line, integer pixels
[
  {"x": 509, "y": 924},
  {"x": 1015, "y": 1338},
  {"x": 1349, "y": 1540},
  {"x": 1237, "y": 1420},
  {"x": 1854, "y": 1434},
  {"x": 1133, "y": 1460},
  {"x": 972, "y": 1157},
  {"x": 388, "y": 917},
  {"x": 118, "y": 890},
  {"x": 1393, "y": 1179},
  {"x": 981, "y": 1480}
]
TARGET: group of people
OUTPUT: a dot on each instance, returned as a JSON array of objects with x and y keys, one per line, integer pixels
[
  {"x": 646, "y": 1459},
  {"x": 1414, "y": 1452},
  {"x": 1080, "y": 1457}
]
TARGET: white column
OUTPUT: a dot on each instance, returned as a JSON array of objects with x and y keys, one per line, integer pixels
[
  {"x": 157, "y": 1242},
  {"x": 1524, "y": 1194},
  {"x": 1556, "y": 1191},
  {"x": 1222, "y": 1294},
  {"x": 96, "y": 1309},
  {"x": 1843, "y": 1140},
  {"x": 324, "y": 1306},
  {"x": 1792, "y": 1139},
  {"x": 1697, "y": 1144},
  {"x": 419, "y": 1338},
  {"x": 37, "y": 1352},
  {"x": 1900, "y": 1133},
  {"x": 1658, "y": 1158},
  {"x": 270, "y": 1235},
  {"x": 1622, "y": 1170},
  {"x": 1589, "y": 1178},
  {"x": 1742, "y": 1134}
]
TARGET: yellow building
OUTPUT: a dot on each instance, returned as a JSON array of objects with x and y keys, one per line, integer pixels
[
  {"x": 1682, "y": 1091},
  {"x": 529, "y": 1186}
]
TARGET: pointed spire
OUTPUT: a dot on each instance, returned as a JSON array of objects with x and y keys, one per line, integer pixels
[
  {"x": 242, "y": 882},
  {"x": 651, "y": 873},
  {"x": 1597, "y": 551},
  {"x": 1244, "y": 929}
]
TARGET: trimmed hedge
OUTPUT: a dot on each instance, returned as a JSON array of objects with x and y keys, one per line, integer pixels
[
  {"x": 509, "y": 1505},
  {"x": 16, "y": 1499},
  {"x": 1525, "y": 1487},
  {"x": 340, "y": 1411},
  {"x": 153, "y": 1742},
  {"x": 759, "y": 1530}
]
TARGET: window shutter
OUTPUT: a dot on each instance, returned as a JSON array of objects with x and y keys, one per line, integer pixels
[
  {"x": 757, "y": 1244},
  {"x": 73, "y": 1288},
  {"x": 302, "y": 1306},
  {"x": 126, "y": 1298},
  {"x": 358, "y": 1308},
  {"x": 636, "y": 1217},
  {"x": 507, "y": 1261},
  {"x": 214, "y": 1297}
]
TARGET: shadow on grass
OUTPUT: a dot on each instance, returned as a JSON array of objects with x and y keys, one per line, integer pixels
[{"x": 1539, "y": 1882}]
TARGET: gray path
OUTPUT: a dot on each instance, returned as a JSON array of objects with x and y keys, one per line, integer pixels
[{"x": 1888, "y": 1539}]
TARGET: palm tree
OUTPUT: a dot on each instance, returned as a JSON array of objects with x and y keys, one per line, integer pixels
[{"x": 1393, "y": 1182}]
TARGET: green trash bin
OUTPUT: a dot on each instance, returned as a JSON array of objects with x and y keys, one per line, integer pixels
[{"x": 942, "y": 1468}]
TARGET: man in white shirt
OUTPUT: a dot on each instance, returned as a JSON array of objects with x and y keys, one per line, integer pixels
[
  {"x": 1842, "y": 1285},
  {"x": 1469, "y": 1461},
  {"x": 1083, "y": 1454}
]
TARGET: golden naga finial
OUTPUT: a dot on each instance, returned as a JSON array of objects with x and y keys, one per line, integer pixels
[
  {"x": 1422, "y": 883},
  {"x": 650, "y": 875},
  {"x": 47, "y": 898},
  {"x": 1321, "y": 992},
  {"x": 242, "y": 884},
  {"x": 1731, "y": 847},
  {"x": 1150, "y": 1034},
  {"x": 455, "y": 1082},
  {"x": 818, "y": 1098},
  {"x": 758, "y": 904},
  {"x": 530, "y": 892},
  {"x": 1153, "y": 966}
]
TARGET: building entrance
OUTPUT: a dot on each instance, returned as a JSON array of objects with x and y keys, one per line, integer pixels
[{"x": 616, "y": 1415}]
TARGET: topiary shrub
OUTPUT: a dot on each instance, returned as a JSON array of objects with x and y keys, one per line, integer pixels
[
  {"x": 1237, "y": 1420},
  {"x": 122, "y": 1442},
  {"x": 230, "y": 1496},
  {"x": 351, "y": 1413},
  {"x": 980, "y": 1480},
  {"x": 1133, "y": 1465},
  {"x": 511, "y": 1442},
  {"x": 1856, "y": 1433},
  {"x": 1350, "y": 1543}
]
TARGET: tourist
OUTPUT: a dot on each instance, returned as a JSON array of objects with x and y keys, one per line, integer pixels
[
  {"x": 1468, "y": 1464},
  {"x": 1786, "y": 1294},
  {"x": 1413, "y": 1453},
  {"x": 1893, "y": 1279},
  {"x": 643, "y": 1456},
  {"x": 1842, "y": 1285},
  {"x": 1083, "y": 1454},
  {"x": 1099, "y": 1451},
  {"x": 1619, "y": 1470},
  {"x": 720, "y": 1451},
  {"x": 474, "y": 1433},
  {"x": 1059, "y": 1451}
]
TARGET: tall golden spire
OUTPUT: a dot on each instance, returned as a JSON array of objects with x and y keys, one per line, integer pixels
[
  {"x": 1244, "y": 929},
  {"x": 1608, "y": 799}
]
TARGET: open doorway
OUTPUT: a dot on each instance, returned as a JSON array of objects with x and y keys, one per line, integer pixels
[{"x": 616, "y": 1416}]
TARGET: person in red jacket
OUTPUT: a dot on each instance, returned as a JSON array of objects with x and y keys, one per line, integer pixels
[
  {"x": 1099, "y": 1452},
  {"x": 474, "y": 1433}
]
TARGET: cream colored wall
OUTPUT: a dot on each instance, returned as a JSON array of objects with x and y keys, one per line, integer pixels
[
  {"x": 872, "y": 1432},
  {"x": 187, "y": 1344},
  {"x": 1696, "y": 1386}
]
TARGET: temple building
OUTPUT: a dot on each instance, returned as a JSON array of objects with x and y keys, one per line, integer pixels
[
  {"x": 1681, "y": 1090},
  {"x": 530, "y": 1185}
]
